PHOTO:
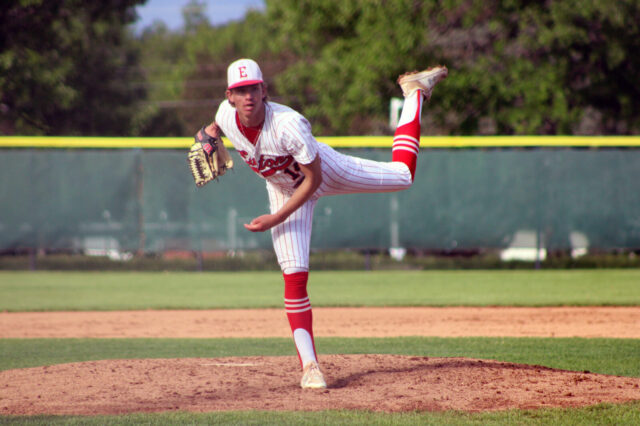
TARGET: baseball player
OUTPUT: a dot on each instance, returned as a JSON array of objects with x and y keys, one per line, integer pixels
[{"x": 276, "y": 142}]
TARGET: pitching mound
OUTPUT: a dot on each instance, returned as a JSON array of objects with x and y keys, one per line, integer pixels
[{"x": 368, "y": 382}]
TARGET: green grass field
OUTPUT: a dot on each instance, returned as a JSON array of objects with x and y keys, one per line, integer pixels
[
  {"x": 619, "y": 357},
  {"x": 42, "y": 291},
  {"x": 603, "y": 414}
]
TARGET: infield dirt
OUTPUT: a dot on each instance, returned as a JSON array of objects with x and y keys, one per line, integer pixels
[
  {"x": 616, "y": 322},
  {"x": 371, "y": 382}
]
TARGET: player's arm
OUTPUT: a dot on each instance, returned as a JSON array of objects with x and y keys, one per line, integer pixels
[
  {"x": 213, "y": 130},
  {"x": 312, "y": 180}
]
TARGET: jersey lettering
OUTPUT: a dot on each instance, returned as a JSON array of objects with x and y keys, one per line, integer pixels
[
  {"x": 266, "y": 166},
  {"x": 295, "y": 173}
]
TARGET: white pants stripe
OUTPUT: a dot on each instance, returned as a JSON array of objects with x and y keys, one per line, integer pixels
[{"x": 291, "y": 238}]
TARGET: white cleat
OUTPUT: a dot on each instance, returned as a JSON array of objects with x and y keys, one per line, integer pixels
[
  {"x": 422, "y": 80},
  {"x": 312, "y": 377}
]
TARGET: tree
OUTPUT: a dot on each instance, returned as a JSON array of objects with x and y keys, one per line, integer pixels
[
  {"x": 164, "y": 70},
  {"x": 556, "y": 67},
  {"x": 349, "y": 53},
  {"x": 66, "y": 67},
  {"x": 194, "y": 16},
  {"x": 517, "y": 66},
  {"x": 185, "y": 70},
  {"x": 206, "y": 53}
]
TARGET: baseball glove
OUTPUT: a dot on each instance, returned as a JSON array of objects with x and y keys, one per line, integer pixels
[{"x": 208, "y": 158}]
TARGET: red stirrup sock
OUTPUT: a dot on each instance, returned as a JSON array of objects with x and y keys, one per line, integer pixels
[
  {"x": 298, "y": 308},
  {"x": 406, "y": 141}
]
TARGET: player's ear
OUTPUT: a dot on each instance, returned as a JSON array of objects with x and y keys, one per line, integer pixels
[
  {"x": 265, "y": 94},
  {"x": 228, "y": 95}
]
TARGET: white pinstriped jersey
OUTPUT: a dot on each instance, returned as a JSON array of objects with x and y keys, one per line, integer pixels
[{"x": 286, "y": 141}]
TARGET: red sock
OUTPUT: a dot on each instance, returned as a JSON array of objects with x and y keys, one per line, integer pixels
[
  {"x": 406, "y": 141},
  {"x": 298, "y": 308}
]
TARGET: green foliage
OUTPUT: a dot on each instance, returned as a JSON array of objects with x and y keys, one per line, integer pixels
[
  {"x": 186, "y": 70},
  {"x": 562, "y": 67},
  {"x": 517, "y": 66},
  {"x": 348, "y": 55},
  {"x": 65, "y": 67},
  {"x": 193, "y": 15},
  {"x": 165, "y": 68}
]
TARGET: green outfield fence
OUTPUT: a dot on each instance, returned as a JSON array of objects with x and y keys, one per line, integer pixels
[{"x": 137, "y": 195}]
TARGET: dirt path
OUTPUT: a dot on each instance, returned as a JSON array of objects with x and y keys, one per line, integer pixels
[
  {"x": 370, "y": 382},
  {"x": 620, "y": 322}
]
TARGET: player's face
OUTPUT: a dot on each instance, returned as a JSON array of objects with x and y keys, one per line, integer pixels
[{"x": 248, "y": 101}]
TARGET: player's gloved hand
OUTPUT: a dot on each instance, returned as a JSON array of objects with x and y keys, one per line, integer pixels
[{"x": 208, "y": 158}]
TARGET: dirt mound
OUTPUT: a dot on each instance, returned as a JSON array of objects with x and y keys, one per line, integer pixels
[{"x": 371, "y": 382}]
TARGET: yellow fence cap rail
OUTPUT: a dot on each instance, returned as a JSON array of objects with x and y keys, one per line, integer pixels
[{"x": 334, "y": 141}]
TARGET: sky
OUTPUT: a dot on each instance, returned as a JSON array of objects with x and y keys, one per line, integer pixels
[{"x": 170, "y": 11}]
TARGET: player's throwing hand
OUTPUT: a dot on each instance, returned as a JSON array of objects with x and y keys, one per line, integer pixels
[{"x": 262, "y": 223}]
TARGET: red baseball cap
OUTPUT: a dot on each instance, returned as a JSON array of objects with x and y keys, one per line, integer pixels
[{"x": 243, "y": 72}]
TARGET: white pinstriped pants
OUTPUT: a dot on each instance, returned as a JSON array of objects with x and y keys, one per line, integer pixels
[{"x": 341, "y": 174}]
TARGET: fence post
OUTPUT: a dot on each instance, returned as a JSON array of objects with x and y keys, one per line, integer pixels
[{"x": 139, "y": 173}]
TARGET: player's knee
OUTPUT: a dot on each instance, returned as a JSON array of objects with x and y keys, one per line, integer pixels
[
  {"x": 292, "y": 265},
  {"x": 407, "y": 183},
  {"x": 293, "y": 270}
]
